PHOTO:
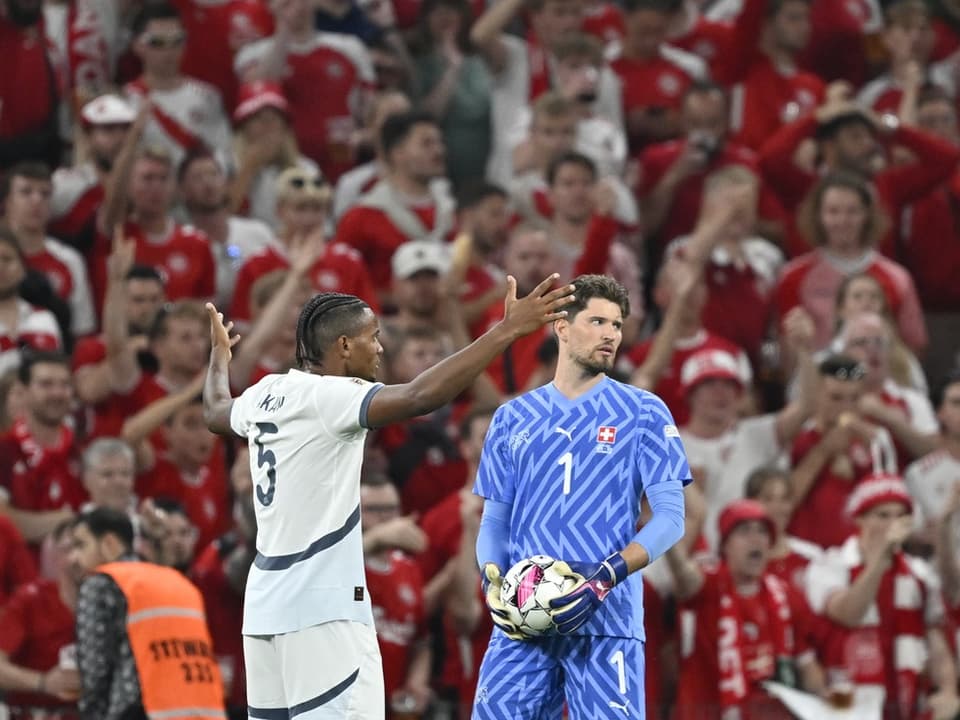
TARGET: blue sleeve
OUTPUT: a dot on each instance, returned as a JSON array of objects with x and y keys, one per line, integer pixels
[
  {"x": 496, "y": 479},
  {"x": 666, "y": 526},
  {"x": 661, "y": 456},
  {"x": 493, "y": 541}
]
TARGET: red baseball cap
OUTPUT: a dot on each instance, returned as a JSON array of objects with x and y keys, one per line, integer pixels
[
  {"x": 256, "y": 95},
  {"x": 875, "y": 490},
  {"x": 709, "y": 365},
  {"x": 741, "y": 511}
]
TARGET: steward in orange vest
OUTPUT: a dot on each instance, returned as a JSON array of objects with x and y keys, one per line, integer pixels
[{"x": 139, "y": 621}]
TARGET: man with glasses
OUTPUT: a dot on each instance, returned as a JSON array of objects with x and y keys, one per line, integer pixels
[{"x": 185, "y": 112}]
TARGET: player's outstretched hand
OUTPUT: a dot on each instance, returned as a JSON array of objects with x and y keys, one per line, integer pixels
[
  {"x": 595, "y": 581},
  {"x": 492, "y": 582},
  {"x": 221, "y": 342},
  {"x": 541, "y": 306}
]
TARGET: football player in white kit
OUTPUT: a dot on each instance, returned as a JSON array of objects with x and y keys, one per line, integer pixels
[{"x": 309, "y": 641}]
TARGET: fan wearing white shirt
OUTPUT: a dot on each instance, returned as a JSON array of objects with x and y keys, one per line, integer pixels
[{"x": 309, "y": 642}]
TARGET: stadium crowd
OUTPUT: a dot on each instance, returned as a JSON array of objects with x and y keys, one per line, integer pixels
[{"x": 775, "y": 182}]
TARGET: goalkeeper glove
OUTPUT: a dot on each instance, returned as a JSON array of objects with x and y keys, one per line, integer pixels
[
  {"x": 595, "y": 581},
  {"x": 492, "y": 582}
]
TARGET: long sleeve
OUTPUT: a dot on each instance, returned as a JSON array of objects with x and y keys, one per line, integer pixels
[
  {"x": 734, "y": 57},
  {"x": 493, "y": 539},
  {"x": 935, "y": 162},
  {"x": 666, "y": 526},
  {"x": 790, "y": 182},
  {"x": 601, "y": 233}
]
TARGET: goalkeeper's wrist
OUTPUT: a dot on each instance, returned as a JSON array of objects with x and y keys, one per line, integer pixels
[{"x": 616, "y": 565}]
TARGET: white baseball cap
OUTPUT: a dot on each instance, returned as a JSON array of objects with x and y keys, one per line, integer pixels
[
  {"x": 108, "y": 110},
  {"x": 417, "y": 255}
]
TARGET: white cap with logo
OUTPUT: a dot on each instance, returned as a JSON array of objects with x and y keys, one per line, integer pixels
[
  {"x": 108, "y": 110},
  {"x": 418, "y": 255}
]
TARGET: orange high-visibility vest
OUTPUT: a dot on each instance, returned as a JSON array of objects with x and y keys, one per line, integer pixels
[{"x": 179, "y": 676}]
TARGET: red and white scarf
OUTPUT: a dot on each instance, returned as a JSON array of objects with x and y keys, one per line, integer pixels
[
  {"x": 893, "y": 627},
  {"x": 734, "y": 686}
]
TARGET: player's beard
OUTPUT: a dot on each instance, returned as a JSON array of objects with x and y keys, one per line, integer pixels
[{"x": 592, "y": 367}]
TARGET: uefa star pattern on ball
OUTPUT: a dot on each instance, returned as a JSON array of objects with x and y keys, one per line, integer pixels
[{"x": 528, "y": 587}]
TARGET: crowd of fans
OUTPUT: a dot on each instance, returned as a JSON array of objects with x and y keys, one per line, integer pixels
[{"x": 775, "y": 182}]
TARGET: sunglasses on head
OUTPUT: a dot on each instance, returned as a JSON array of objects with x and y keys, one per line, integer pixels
[
  {"x": 302, "y": 182},
  {"x": 159, "y": 42}
]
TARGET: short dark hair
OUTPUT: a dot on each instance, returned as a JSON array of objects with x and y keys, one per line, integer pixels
[
  {"x": 667, "y": 7},
  {"x": 31, "y": 358},
  {"x": 570, "y": 158},
  {"x": 102, "y": 521},
  {"x": 375, "y": 479},
  {"x": 704, "y": 87},
  {"x": 930, "y": 93},
  {"x": 195, "y": 153},
  {"x": 951, "y": 378},
  {"x": 775, "y": 6},
  {"x": 153, "y": 10},
  {"x": 324, "y": 318},
  {"x": 397, "y": 128},
  {"x": 170, "y": 506},
  {"x": 475, "y": 192},
  {"x": 761, "y": 477},
  {"x": 829, "y": 129},
  {"x": 30, "y": 169},
  {"x": 144, "y": 272},
  {"x": 597, "y": 286},
  {"x": 841, "y": 367}
]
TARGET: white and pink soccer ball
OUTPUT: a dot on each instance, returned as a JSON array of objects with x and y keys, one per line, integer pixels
[{"x": 528, "y": 587}]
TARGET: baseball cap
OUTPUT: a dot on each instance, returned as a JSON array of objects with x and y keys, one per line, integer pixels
[
  {"x": 709, "y": 365},
  {"x": 741, "y": 511},
  {"x": 108, "y": 110},
  {"x": 875, "y": 490},
  {"x": 252, "y": 97},
  {"x": 417, "y": 255}
]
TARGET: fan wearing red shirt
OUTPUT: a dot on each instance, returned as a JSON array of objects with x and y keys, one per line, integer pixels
[
  {"x": 37, "y": 645},
  {"x": 834, "y": 452},
  {"x": 842, "y": 38},
  {"x": 29, "y": 129},
  {"x": 655, "y": 76},
  {"x": 327, "y": 80},
  {"x": 673, "y": 172},
  {"x": 39, "y": 456},
  {"x": 604, "y": 20},
  {"x": 743, "y": 628},
  {"x": 303, "y": 200},
  {"x": 17, "y": 566},
  {"x": 850, "y": 140},
  {"x": 404, "y": 205},
  {"x": 397, "y": 595},
  {"x": 180, "y": 253}
]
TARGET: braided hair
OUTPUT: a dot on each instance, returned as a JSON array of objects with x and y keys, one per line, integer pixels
[{"x": 323, "y": 319}]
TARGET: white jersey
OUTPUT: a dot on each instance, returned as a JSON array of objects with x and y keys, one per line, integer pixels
[
  {"x": 306, "y": 434},
  {"x": 727, "y": 461},
  {"x": 931, "y": 480},
  {"x": 245, "y": 237}
]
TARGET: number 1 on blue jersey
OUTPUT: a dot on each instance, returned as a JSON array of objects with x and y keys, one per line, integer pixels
[{"x": 567, "y": 461}]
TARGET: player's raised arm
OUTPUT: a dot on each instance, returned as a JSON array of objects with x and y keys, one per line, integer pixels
[
  {"x": 216, "y": 389},
  {"x": 447, "y": 379}
]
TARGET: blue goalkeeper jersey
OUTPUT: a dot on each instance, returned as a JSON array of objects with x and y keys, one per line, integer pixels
[{"x": 574, "y": 472}]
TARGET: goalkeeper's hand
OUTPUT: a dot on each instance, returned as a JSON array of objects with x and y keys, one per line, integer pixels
[
  {"x": 492, "y": 582},
  {"x": 594, "y": 583}
]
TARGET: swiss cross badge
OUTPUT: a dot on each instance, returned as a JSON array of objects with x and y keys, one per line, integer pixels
[{"x": 607, "y": 434}]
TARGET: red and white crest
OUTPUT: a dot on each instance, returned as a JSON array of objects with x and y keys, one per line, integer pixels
[{"x": 607, "y": 434}]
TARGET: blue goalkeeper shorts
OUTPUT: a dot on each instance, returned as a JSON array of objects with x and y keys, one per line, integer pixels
[{"x": 599, "y": 677}]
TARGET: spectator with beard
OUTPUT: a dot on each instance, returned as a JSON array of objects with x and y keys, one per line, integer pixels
[
  {"x": 29, "y": 123},
  {"x": 78, "y": 191},
  {"x": 41, "y": 487},
  {"x": 203, "y": 189}
]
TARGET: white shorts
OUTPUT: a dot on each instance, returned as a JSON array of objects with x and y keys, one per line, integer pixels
[{"x": 330, "y": 671}]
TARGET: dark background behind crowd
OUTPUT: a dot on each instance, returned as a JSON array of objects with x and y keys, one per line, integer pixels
[{"x": 775, "y": 182}]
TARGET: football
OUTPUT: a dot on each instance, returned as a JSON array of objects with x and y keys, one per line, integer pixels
[{"x": 528, "y": 587}]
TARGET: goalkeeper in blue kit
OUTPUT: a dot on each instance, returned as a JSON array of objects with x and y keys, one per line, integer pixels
[{"x": 563, "y": 471}]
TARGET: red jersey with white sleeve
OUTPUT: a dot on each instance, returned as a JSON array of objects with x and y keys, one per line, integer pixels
[
  {"x": 929, "y": 246},
  {"x": 684, "y": 209},
  {"x": 730, "y": 643},
  {"x": 41, "y": 478},
  {"x": 704, "y": 37},
  {"x": 323, "y": 121},
  {"x": 77, "y": 195},
  {"x": 17, "y": 566},
  {"x": 605, "y": 21},
  {"x": 186, "y": 116},
  {"x": 792, "y": 567},
  {"x": 37, "y": 628},
  {"x": 181, "y": 254},
  {"x": 659, "y": 82},
  {"x": 216, "y": 30},
  {"x": 67, "y": 273},
  {"x": 224, "y": 607},
  {"x": 36, "y": 328},
  {"x": 396, "y": 593},
  {"x": 203, "y": 494},
  {"x": 669, "y": 388},
  {"x": 811, "y": 281},
  {"x": 883, "y": 94},
  {"x": 338, "y": 269},
  {"x": 831, "y": 488}
]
